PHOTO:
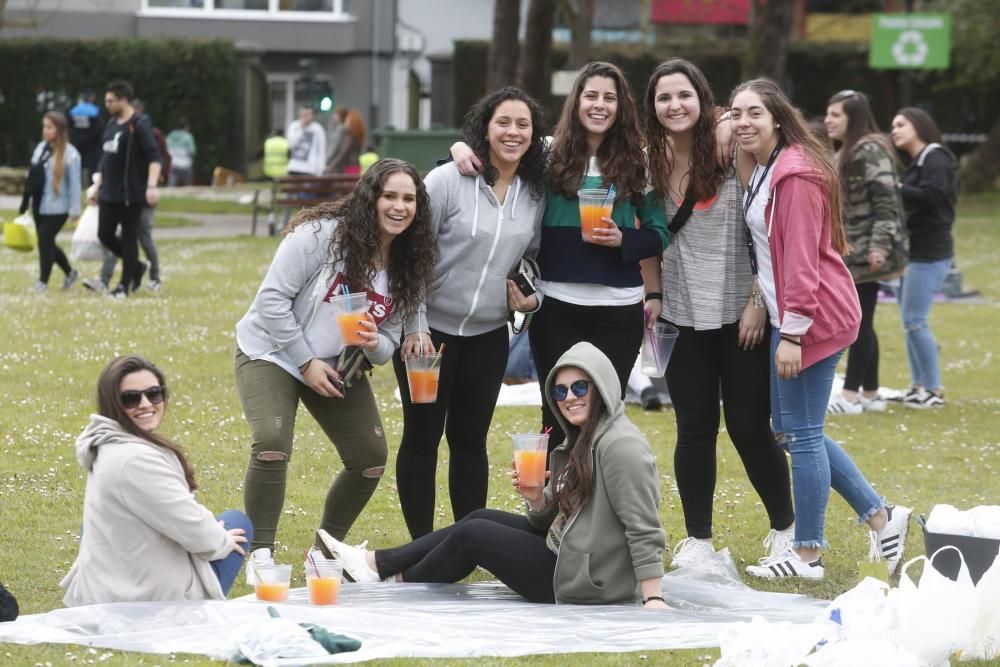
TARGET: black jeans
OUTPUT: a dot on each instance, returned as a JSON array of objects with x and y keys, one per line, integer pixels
[
  {"x": 700, "y": 363},
  {"x": 127, "y": 247},
  {"x": 504, "y": 544},
  {"x": 48, "y": 252},
  {"x": 862, "y": 360},
  {"x": 614, "y": 330},
  {"x": 471, "y": 374}
]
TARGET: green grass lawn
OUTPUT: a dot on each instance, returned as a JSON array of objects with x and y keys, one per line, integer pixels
[{"x": 56, "y": 343}]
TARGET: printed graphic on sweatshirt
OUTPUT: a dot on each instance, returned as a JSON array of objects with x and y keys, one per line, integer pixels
[
  {"x": 300, "y": 151},
  {"x": 379, "y": 306}
]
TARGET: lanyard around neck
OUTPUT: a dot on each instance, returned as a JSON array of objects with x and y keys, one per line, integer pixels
[{"x": 753, "y": 190}]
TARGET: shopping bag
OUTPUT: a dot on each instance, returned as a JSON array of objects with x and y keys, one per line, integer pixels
[
  {"x": 936, "y": 616},
  {"x": 86, "y": 245},
  {"x": 985, "y": 642},
  {"x": 20, "y": 234}
]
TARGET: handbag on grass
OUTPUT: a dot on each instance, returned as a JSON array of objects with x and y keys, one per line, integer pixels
[{"x": 20, "y": 234}]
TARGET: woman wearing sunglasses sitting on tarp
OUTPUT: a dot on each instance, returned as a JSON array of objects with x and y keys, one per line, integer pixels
[
  {"x": 592, "y": 535},
  {"x": 144, "y": 536}
]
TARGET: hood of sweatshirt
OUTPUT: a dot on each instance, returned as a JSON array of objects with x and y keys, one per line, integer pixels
[
  {"x": 99, "y": 432},
  {"x": 596, "y": 364},
  {"x": 795, "y": 161}
]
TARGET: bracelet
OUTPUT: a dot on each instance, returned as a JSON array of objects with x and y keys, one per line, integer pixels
[
  {"x": 789, "y": 339},
  {"x": 757, "y": 298},
  {"x": 653, "y": 295},
  {"x": 304, "y": 367},
  {"x": 654, "y": 597}
]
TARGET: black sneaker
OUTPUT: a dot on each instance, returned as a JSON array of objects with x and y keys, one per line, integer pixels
[
  {"x": 924, "y": 400},
  {"x": 119, "y": 293},
  {"x": 143, "y": 267},
  {"x": 650, "y": 399}
]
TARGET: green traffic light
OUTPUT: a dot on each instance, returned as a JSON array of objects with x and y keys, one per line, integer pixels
[{"x": 326, "y": 103}]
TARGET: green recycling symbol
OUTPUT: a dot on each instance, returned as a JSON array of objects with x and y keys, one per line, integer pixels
[{"x": 910, "y": 48}]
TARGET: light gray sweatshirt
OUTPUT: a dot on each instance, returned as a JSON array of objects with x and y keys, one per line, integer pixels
[{"x": 480, "y": 243}]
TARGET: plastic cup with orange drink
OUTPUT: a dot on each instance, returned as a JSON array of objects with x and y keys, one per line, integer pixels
[
  {"x": 530, "y": 450},
  {"x": 595, "y": 204},
  {"x": 272, "y": 582},
  {"x": 350, "y": 310},
  {"x": 323, "y": 579},
  {"x": 422, "y": 374}
]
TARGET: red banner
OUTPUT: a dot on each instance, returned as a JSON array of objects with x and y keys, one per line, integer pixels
[{"x": 727, "y": 12}]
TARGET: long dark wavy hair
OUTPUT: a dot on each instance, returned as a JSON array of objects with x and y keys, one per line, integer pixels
[
  {"x": 531, "y": 169},
  {"x": 412, "y": 254},
  {"x": 861, "y": 125},
  {"x": 578, "y": 474},
  {"x": 706, "y": 176},
  {"x": 925, "y": 127},
  {"x": 620, "y": 153},
  {"x": 792, "y": 128},
  {"x": 109, "y": 404}
]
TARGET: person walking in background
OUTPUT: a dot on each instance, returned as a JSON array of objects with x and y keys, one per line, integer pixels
[
  {"x": 307, "y": 142},
  {"x": 873, "y": 222},
  {"x": 182, "y": 149},
  {"x": 350, "y": 141},
  {"x": 276, "y": 155},
  {"x": 85, "y": 134},
  {"x": 127, "y": 181},
  {"x": 52, "y": 191},
  {"x": 710, "y": 293},
  {"x": 929, "y": 188},
  {"x": 793, "y": 207}
]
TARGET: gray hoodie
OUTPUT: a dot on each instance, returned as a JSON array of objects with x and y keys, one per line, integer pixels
[
  {"x": 145, "y": 537},
  {"x": 480, "y": 243},
  {"x": 615, "y": 540}
]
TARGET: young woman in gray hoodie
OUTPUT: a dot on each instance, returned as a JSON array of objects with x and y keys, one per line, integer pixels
[{"x": 591, "y": 536}]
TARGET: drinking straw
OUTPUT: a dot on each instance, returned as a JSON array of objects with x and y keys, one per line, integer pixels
[
  {"x": 344, "y": 290},
  {"x": 547, "y": 430},
  {"x": 437, "y": 361},
  {"x": 610, "y": 196},
  {"x": 312, "y": 561}
]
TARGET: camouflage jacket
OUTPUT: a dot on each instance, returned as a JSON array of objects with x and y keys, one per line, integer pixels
[{"x": 873, "y": 212}]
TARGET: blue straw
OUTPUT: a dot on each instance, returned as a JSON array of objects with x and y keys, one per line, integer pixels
[
  {"x": 344, "y": 290},
  {"x": 610, "y": 196}
]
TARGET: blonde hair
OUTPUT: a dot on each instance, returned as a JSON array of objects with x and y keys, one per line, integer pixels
[{"x": 58, "y": 147}]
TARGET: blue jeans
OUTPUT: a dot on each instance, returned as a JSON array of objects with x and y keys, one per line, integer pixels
[
  {"x": 227, "y": 568},
  {"x": 798, "y": 409},
  {"x": 920, "y": 282}
]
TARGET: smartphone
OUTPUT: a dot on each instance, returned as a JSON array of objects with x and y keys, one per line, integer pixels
[
  {"x": 337, "y": 382},
  {"x": 524, "y": 284}
]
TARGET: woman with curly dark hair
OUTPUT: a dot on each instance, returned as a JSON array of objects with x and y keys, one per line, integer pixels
[
  {"x": 484, "y": 224},
  {"x": 377, "y": 240}
]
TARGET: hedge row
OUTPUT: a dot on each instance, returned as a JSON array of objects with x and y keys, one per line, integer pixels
[{"x": 175, "y": 78}]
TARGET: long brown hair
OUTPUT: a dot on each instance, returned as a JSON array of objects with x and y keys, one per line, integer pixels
[
  {"x": 706, "y": 175},
  {"x": 355, "y": 126},
  {"x": 861, "y": 126},
  {"x": 578, "y": 474},
  {"x": 412, "y": 254},
  {"x": 58, "y": 147},
  {"x": 109, "y": 404},
  {"x": 792, "y": 128},
  {"x": 620, "y": 153}
]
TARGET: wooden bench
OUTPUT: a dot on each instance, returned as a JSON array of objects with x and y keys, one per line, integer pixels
[{"x": 289, "y": 193}]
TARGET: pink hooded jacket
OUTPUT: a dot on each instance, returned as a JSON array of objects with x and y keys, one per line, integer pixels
[{"x": 816, "y": 295}]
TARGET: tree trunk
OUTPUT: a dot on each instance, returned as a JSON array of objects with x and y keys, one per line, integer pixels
[
  {"x": 502, "y": 62},
  {"x": 583, "y": 23},
  {"x": 772, "y": 30},
  {"x": 983, "y": 164},
  {"x": 536, "y": 66}
]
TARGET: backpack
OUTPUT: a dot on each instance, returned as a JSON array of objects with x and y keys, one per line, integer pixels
[{"x": 8, "y": 605}]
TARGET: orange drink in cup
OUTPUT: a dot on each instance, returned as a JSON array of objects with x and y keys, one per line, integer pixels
[
  {"x": 323, "y": 580},
  {"x": 350, "y": 309},
  {"x": 422, "y": 374},
  {"x": 592, "y": 209},
  {"x": 530, "y": 451},
  {"x": 272, "y": 582}
]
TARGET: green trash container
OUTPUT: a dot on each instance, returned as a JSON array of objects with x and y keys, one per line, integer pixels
[{"x": 423, "y": 148}]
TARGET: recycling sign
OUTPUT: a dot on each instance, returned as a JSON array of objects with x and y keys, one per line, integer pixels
[{"x": 910, "y": 41}]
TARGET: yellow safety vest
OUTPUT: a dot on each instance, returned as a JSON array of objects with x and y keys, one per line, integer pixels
[
  {"x": 367, "y": 159},
  {"x": 276, "y": 157}
]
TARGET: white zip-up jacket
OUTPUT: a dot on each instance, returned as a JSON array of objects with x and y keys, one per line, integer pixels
[{"x": 480, "y": 243}]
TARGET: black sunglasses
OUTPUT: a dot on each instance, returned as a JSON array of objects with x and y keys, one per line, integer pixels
[
  {"x": 579, "y": 389},
  {"x": 132, "y": 398}
]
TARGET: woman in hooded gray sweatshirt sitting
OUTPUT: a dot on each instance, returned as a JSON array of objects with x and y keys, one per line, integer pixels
[{"x": 592, "y": 535}]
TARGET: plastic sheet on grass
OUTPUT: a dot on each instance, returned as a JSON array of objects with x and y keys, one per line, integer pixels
[{"x": 430, "y": 620}]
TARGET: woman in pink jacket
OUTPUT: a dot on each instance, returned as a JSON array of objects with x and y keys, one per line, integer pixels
[{"x": 792, "y": 205}]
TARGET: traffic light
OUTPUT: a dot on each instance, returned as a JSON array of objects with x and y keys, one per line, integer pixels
[{"x": 324, "y": 95}]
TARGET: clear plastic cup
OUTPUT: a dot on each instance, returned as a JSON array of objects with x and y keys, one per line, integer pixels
[
  {"x": 530, "y": 451},
  {"x": 272, "y": 582},
  {"x": 323, "y": 578},
  {"x": 422, "y": 374},
  {"x": 350, "y": 309},
  {"x": 657, "y": 346},
  {"x": 592, "y": 208}
]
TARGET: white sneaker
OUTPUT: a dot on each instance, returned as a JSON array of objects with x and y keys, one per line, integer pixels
[
  {"x": 258, "y": 558},
  {"x": 787, "y": 565},
  {"x": 778, "y": 542},
  {"x": 691, "y": 552},
  {"x": 876, "y": 404},
  {"x": 892, "y": 538},
  {"x": 355, "y": 564},
  {"x": 839, "y": 405}
]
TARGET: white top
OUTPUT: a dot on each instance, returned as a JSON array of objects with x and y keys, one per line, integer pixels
[
  {"x": 308, "y": 148},
  {"x": 762, "y": 245}
]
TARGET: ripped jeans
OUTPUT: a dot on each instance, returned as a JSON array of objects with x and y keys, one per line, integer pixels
[
  {"x": 270, "y": 397},
  {"x": 798, "y": 409}
]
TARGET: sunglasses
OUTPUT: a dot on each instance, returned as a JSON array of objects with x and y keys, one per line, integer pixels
[
  {"x": 579, "y": 389},
  {"x": 132, "y": 398}
]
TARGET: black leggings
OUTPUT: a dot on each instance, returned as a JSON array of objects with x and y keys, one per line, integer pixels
[
  {"x": 614, "y": 330},
  {"x": 127, "y": 248},
  {"x": 504, "y": 544},
  {"x": 471, "y": 374},
  {"x": 48, "y": 252},
  {"x": 862, "y": 360},
  {"x": 700, "y": 363}
]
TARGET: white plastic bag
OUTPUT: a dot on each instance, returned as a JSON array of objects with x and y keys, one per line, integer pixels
[
  {"x": 936, "y": 616},
  {"x": 86, "y": 246},
  {"x": 985, "y": 642}
]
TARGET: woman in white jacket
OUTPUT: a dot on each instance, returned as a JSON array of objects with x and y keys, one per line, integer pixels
[{"x": 144, "y": 536}]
